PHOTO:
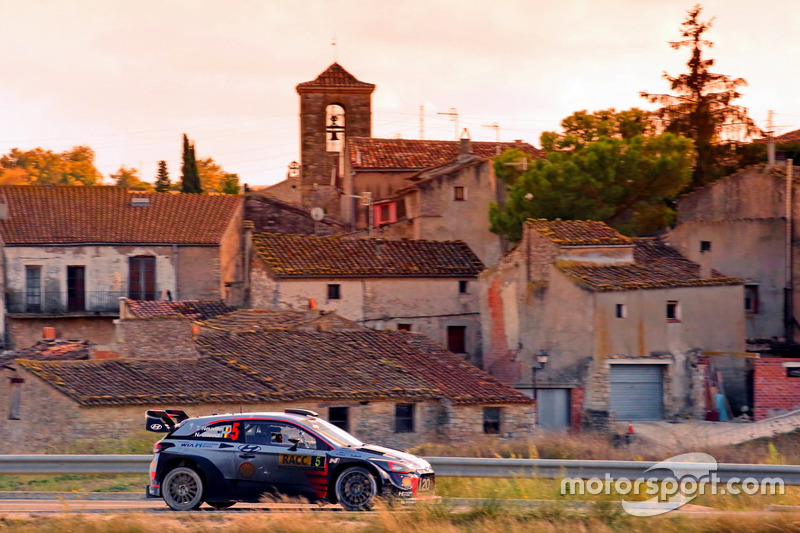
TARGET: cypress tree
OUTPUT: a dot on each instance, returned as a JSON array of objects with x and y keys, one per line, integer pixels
[
  {"x": 162, "y": 178},
  {"x": 190, "y": 179}
]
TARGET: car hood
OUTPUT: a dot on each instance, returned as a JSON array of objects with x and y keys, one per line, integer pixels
[{"x": 389, "y": 453}]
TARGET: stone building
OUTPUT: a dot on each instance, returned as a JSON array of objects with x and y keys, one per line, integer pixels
[
  {"x": 446, "y": 202},
  {"x": 428, "y": 287},
  {"x": 341, "y": 162},
  {"x": 389, "y": 387},
  {"x": 623, "y": 321},
  {"x": 741, "y": 226},
  {"x": 69, "y": 254}
]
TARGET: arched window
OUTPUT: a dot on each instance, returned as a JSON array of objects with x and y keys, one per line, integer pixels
[{"x": 334, "y": 128}]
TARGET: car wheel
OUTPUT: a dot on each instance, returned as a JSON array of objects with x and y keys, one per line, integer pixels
[
  {"x": 356, "y": 489},
  {"x": 182, "y": 489},
  {"x": 221, "y": 505}
]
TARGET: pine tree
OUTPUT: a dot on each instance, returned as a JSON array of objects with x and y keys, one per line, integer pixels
[
  {"x": 190, "y": 179},
  {"x": 702, "y": 109},
  {"x": 162, "y": 178}
]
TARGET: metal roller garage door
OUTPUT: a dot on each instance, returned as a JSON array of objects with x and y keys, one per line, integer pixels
[
  {"x": 553, "y": 408},
  {"x": 637, "y": 392}
]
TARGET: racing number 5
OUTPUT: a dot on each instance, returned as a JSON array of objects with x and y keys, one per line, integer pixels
[{"x": 235, "y": 431}]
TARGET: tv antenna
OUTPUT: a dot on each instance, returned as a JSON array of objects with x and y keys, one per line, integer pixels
[{"x": 453, "y": 114}]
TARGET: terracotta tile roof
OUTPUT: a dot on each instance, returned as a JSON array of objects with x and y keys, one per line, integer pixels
[
  {"x": 335, "y": 76},
  {"x": 243, "y": 320},
  {"x": 283, "y": 365},
  {"x": 103, "y": 214},
  {"x": 656, "y": 266},
  {"x": 578, "y": 232},
  {"x": 51, "y": 350},
  {"x": 786, "y": 138},
  {"x": 417, "y": 154},
  {"x": 192, "y": 309},
  {"x": 146, "y": 381},
  {"x": 308, "y": 256}
]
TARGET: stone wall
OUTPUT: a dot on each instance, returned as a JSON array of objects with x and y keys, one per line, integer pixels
[
  {"x": 774, "y": 393},
  {"x": 273, "y": 216},
  {"x": 144, "y": 338},
  {"x": 51, "y": 422}
]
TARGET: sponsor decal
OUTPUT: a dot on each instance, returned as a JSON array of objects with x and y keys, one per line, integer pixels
[
  {"x": 247, "y": 470},
  {"x": 425, "y": 483},
  {"x": 198, "y": 445},
  {"x": 249, "y": 448},
  {"x": 333, "y": 460},
  {"x": 313, "y": 462}
]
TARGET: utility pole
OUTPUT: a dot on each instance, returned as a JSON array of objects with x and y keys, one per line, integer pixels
[
  {"x": 495, "y": 126},
  {"x": 770, "y": 139},
  {"x": 453, "y": 114},
  {"x": 789, "y": 268}
]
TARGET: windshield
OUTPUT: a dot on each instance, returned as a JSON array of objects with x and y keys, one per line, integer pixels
[{"x": 333, "y": 434}]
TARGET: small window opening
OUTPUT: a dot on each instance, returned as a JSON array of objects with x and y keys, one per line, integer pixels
[
  {"x": 404, "y": 418},
  {"x": 491, "y": 420},
  {"x": 622, "y": 311},
  {"x": 705, "y": 246},
  {"x": 334, "y": 291},
  {"x": 673, "y": 311},
  {"x": 459, "y": 193}
]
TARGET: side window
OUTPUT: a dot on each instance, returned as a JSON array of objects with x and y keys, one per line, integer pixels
[
  {"x": 491, "y": 420},
  {"x": 339, "y": 417},
  {"x": 16, "y": 398},
  {"x": 268, "y": 433},
  {"x": 219, "y": 431},
  {"x": 404, "y": 418}
]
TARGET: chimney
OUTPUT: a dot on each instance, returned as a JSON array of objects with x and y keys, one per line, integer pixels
[
  {"x": 48, "y": 333},
  {"x": 466, "y": 144}
]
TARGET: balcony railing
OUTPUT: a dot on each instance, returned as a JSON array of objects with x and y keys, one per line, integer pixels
[{"x": 61, "y": 303}]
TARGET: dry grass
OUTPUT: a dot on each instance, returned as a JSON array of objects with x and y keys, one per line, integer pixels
[
  {"x": 781, "y": 449},
  {"x": 422, "y": 519}
]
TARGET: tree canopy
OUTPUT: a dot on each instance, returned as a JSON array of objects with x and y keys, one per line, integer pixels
[
  {"x": 190, "y": 178},
  {"x": 625, "y": 182},
  {"x": 701, "y": 107},
  {"x": 214, "y": 179},
  {"x": 129, "y": 177},
  {"x": 45, "y": 167},
  {"x": 162, "y": 183}
]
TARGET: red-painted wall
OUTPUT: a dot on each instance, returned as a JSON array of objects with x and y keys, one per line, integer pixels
[{"x": 576, "y": 407}]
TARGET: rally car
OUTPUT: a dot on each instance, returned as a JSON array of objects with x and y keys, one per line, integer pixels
[{"x": 224, "y": 459}]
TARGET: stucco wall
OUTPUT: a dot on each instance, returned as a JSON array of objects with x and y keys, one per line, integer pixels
[
  {"x": 753, "y": 250},
  {"x": 39, "y": 431},
  {"x": 430, "y": 305}
]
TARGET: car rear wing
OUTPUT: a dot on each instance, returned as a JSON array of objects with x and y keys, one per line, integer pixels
[{"x": 163, "y": 420}]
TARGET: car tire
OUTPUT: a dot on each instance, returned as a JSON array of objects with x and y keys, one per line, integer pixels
[
  {"x": 221, "y": 505},
  {"x": 356, "y": 489},
  {"x": 182, "y": 489}
]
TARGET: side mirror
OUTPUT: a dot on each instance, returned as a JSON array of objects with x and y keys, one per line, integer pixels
[{"x": 294, "y": 442}]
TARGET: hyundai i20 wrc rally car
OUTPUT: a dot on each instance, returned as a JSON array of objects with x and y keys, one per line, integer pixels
[{"x": 223, "y": 459}]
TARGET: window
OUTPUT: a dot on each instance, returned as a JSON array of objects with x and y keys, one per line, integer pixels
[
  {"x": 673, "y": 311},
  {"x": 76, "y": 288},
  {"x": 270, "y": 433},
  {"x": 462, "y": 286},
  {"x": 403, "y": 327},
  {"x": 33, "y": 289},
  {"x": 751, "y": 300},
  {"x": 491, "y": 420},
  {"x": 404, "y": 418},
  {"x": 457, "y": 339},
  {"x": 142, "y": 278},
  {"x": 386, "y": 213},
  {"x": 705, "y": 246},
  {"x": 334, "y": 291},
  {"x": 334, "y": 128},
  {"x": 338, "y": 416},
  {"x": 16, "y": 397},
  {"x": 622, "y": 311},
  {"x": 459, "y": 193}
]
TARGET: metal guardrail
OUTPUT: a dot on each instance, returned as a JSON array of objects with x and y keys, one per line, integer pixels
[{"x": 444, "y": 467}]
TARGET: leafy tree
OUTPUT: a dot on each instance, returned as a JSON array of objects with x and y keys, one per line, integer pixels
[
  {"x": 625, "y": 182},
  {"x": 230, "y": 184},
  {"x": 190, "y": 179},
  {"x": 129, "y": 177},
  {"x": 211, "y": 175},
  {"x": 701, "y": 107},
  {"x": 162, "y": 178},
  {"x": 582, "y": 128},
  {"x": 45, "y": 167}
]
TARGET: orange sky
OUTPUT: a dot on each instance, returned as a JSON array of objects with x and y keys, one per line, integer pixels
[{"x": 129, "y": 77}]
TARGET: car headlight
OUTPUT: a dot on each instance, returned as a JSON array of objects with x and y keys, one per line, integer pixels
[{"x": 396, "y": 467}]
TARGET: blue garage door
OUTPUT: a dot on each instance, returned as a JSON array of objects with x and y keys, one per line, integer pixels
[{"x": 637, "y": 392}]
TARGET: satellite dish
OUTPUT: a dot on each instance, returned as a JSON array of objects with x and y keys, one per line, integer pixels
[{"x": 317, "y": 213}]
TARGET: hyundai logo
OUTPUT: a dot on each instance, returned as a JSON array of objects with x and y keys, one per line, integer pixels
[{"x": 249, "y": 448}]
